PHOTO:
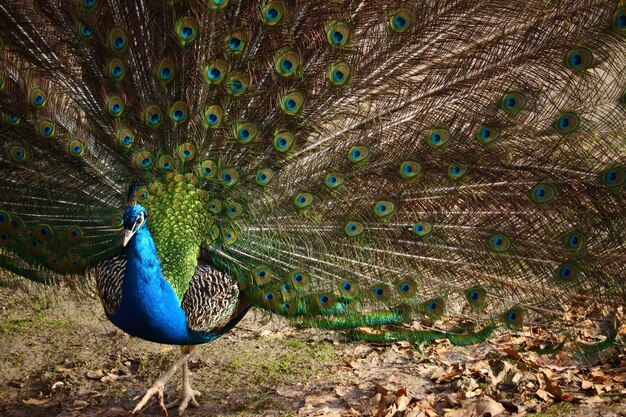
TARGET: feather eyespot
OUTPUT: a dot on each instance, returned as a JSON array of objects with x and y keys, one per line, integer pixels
[
  {"x": 400, "y": 20},
  {"x": 614, "y": 178},
  {"x": 284, "y": 141},
  {"x": 273, "y": 13},
  {"x": 339, "y": 73}
]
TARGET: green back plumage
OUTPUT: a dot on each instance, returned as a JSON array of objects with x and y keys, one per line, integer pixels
[{"x": 350, "y": 163}]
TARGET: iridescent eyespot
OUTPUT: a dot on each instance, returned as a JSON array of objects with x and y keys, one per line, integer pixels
[
  {"x": 37, "y": 97},
  {"x": 88, "y": 4},
  {"x": 567, "y": 123},
  {"x": 12, "y": 118},
  {"x": 514, "y": 318},
  {"x": 619, "y": 20},
  {"x": 207, "y": 169},
  {"x": 384, "y": 208},
  {"x": 353, "y": 229},
  {"x": 234, "y": 210},
  {"x": 117, "y": 221},
  {"x": 339, "y": 73},
  {"x": 499, "y": 243},
  {"x": 614, "y": 178},
  {"x": 215, "y": 72},
  {"x": 215, "y": 206},
  {"x": 165, "y": 70},
  {"x": 358, "y": 154},
  {"x": 143, "y": 160},
  {"x": 44, "y": 231},
  {"x": 575, "y": 241},
  {"x": 512, "y": 103},
  {"x": 229, "y": 177},
  {"x": 291, "y": 102},
  {"x": 286, "y": 62},
  {"x": 303, "y": 200},
  {"x": 116, "y": 70},
  {"x": 213, "y": 116},
  {"x": 186, "y": 29},
  {"x": 333, "y": 180},
  {"x": 567, "y": 272},
  {"x": 410, "y": 169},
  {"x": 125, "y": 138},
  {"x": 407, "y": 288},
  {"x": 439, "y": 137},
  {"x": 400, "y": 20},
  {"x": 117, "y": 40},
  {"x": 487, "y": 134},
  {"x": 348, "y": 289},
  {"x": 5, "y": 220},
  {"x": 380, "y": 292},
  {"x": 84, "y": 32},
  {"x": 115, "y": 106},
  {"x": 262, "y": 274},
  {"x": 186, "y": 151},
  {"x": 299, "y": 280},
  {"x": 141, "y": 194},
  {"x": 17, "y": 154},
  {"x": 264, "y": 176},
  {"x": 218, "y": 4},
  {"x": 476, "y": 297},
  {"x": 46, "y": 128},
  {"x": 434, "y": 308},
  {"x": 75, "y": 148},
  {"x": 457, "y": 171},
  {"x": 325, "y": 300},
  {"x": 229, "y": 236},
  {"x": 178, "y": 113},
  {"x": 153, "y": 116},
  {"x": 165, "y": 163},
  {"x": 236, "y": 42},
  {"x": 273, "y": 13},
  {"x": 245, "y": 133},
  {"x": 237, "y": 83},
  {"x": 578, "y": 59},
  {"x": 542, "y": 194},
  {"x": 337, "y": 33},
  {"x": 422, "y": 228},
  {"x": 283, "y": 141}
]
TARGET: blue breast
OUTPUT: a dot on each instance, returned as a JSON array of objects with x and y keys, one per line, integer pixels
[{"x": 149, "y": 308}]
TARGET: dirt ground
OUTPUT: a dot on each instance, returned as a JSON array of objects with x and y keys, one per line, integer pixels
[{"x": 62, "y": 358}]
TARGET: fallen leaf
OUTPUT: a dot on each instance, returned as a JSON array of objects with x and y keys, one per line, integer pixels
[
  {"x": 552, "y": 387},
  {"x": 97, "y": 374},
  {"x": 36, "y": 401},
  {"x": 79, "y": 404},
  {"x": 481, "y": 406}
]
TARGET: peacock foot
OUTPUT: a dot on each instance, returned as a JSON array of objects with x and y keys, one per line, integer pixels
[
  {"x": 156, "y": 389},
  {"x": 187, "y": 394},
  {"x": 186, "y": 399}
]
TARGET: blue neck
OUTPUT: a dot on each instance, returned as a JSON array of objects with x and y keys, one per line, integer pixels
[{"x": 150, "y": 309}]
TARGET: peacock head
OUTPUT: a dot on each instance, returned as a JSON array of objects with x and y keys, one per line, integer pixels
[{"x": 135, "y": 216}]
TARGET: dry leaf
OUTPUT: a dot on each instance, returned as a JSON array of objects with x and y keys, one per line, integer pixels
[
  {"x": 80, "y": 404},
  {"x": 97, "y": 374},
  {"x": 552, "y": 387},
  {"x": 36, "y": 401}
]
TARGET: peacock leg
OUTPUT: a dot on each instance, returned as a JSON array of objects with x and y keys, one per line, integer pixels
[
  {"x": 187, "y": 395},
  {"x": 159, "y": 386}
]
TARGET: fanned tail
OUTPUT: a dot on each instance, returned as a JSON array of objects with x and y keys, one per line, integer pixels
[{"x": 351, "y": 164}]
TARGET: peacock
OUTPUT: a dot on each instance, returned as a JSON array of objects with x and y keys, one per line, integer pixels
[{"x": 352, "y": 165}]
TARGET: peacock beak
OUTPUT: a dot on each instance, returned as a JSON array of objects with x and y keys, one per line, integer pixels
[{"x": 128, "y": 234}]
